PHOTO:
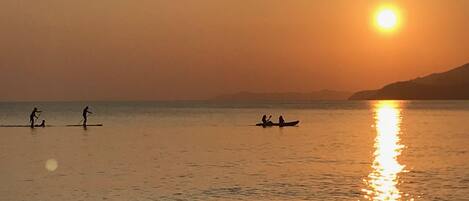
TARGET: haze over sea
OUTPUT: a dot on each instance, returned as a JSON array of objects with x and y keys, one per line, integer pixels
[{"x": 341, "y": 150}]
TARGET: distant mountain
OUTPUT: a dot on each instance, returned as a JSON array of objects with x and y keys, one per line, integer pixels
[
  {"x": 453, "y": 84},
  {"x": 317, "y": 95}
]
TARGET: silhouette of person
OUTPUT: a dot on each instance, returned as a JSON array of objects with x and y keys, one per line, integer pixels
[
  {"x": 33, "y": 116},
  {"x": 85, "y": 115},
  {"x": 43, "y": 124},
  {"x": 266, "y": 121},
  {"x": 281, "y": 121}
]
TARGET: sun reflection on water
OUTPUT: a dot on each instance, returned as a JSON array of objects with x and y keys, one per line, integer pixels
[{"x": 383, "y": 180}]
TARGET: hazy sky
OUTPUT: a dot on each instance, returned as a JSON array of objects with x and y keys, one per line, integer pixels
[{"x": 191, "y": 49}]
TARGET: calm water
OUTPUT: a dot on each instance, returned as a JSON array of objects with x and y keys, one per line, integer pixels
[{"x": 386, "y": 150}]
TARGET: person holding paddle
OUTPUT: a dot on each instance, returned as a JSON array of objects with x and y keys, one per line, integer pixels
[
  {"x": 33, "y": 116},
  {"x": 85, "y": 115},
  {"x": 266, "y": 121}
]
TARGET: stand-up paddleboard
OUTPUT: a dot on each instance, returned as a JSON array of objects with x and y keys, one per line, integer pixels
[
  {"x": 81, "y": 125},
  {"x": 292, "y": 123},
  {"x": 24, "y": 126}
]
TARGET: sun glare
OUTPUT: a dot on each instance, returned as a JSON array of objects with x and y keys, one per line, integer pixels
[{"x": 387, "y": 19}]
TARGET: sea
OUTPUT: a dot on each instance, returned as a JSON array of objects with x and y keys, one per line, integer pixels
[{"x": 199, "y": 150}]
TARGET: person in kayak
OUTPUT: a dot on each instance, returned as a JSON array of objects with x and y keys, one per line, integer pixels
[
  {"x": 281, "y": 121},
  {"x": 33, "y": 116},
  {"x": 266, "y": 121},
  {"x": 85, "y": 115}
]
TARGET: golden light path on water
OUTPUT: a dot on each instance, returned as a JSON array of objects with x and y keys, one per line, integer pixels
[{"x": 383, "y": 180}]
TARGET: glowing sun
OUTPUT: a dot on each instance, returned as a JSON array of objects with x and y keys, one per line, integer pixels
[{"x": 386, "y": 19}]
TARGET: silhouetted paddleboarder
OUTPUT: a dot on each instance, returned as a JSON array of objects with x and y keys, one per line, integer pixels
[
  {"x": 85, "y": 115},
  {"x": 33, "y": 116}
]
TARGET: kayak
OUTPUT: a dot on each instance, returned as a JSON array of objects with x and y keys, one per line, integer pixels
[{"x": 292, "y": 123}]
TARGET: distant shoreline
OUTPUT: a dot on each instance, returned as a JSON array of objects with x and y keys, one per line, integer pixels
[
  {"x": 449, "y": 85},
  {"x": 323, "y": 95}
]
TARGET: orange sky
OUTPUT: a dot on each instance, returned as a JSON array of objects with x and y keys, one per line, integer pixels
[{"x": 191, "y": 49}]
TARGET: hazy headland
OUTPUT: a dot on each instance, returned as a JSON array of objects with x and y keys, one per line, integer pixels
[{"x": 450, "y": 85}]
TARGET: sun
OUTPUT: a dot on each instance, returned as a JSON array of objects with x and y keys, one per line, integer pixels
[{"x": 387, "y": 19}]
